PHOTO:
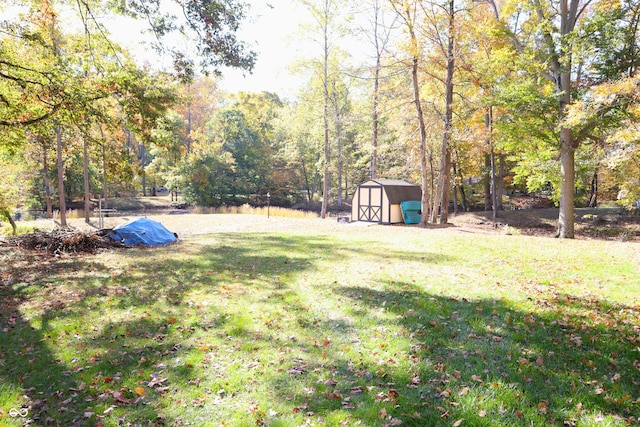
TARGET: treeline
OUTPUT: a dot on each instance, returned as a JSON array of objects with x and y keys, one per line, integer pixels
[{"x": 468, "y": 99}]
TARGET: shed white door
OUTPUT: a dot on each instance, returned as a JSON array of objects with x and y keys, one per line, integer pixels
[{"x": 370, "y": 204}]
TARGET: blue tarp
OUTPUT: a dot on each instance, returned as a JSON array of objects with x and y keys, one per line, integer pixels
[{"x": 142, "y": 231}]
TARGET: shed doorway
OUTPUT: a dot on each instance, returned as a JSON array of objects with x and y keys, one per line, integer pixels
[{"x": 370, "y": 203}]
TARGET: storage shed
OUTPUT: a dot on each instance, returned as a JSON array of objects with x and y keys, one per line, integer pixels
[{"x": 379, "y": 200}]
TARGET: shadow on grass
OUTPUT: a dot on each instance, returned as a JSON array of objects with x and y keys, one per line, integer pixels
[{"x": 487, "y": 363}]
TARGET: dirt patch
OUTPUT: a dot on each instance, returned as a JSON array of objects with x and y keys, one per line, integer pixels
[{"x": 605, "y": 224}]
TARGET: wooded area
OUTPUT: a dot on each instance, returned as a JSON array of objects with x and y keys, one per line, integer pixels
[{"x": 473, "y": 100}]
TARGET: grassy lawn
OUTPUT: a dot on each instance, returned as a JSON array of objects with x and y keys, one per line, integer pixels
[{"x": 385, "y": 326}]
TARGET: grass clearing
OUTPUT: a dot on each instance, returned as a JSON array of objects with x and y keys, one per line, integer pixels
[{"x": 380, "y": 326}]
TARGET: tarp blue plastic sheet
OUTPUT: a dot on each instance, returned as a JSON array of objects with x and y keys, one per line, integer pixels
[{"x": 142, "y": 231}]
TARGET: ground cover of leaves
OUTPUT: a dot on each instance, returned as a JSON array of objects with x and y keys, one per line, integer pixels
[{"x": 303, "y": 322}]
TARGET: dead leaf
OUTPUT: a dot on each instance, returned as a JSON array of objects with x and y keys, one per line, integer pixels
[
  {"x": 542, "y": 407},
  {"x": 140, "y": 391},
  {"x": 415, "y": 379},
  {"x": 457, "y": 423},
  {"x": 482, "y": 414},
  {"x": 383, "y": 413},
  {"x": 120, "y": 398}
]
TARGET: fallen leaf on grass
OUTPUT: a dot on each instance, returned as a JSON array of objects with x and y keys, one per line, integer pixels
[
  {"x": 297, "y": 370},
  {"x": 346, "y": 404},
  {"x": 156, "y": 380},
  {"x": 542, "y": 407},
  {"x": 457, "y": 423},
  {"x": 383, "y": 413},
  {"x": 120, "y": 398},
  {"x": 330, "y": 382},
  {"x": 300, "y": 408}
]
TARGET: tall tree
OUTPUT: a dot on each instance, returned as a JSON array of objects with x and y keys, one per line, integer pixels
[
  {"x": 409, "y": 16},
  {"x": 327, "y": 29},
  {"x": 441, "y": 197},
  {"x": 553, "y": 38}
]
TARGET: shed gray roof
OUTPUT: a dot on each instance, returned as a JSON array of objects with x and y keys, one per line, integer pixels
[
  {"x": 399, "y": 191},
  {"x": 393, "y": 182}
]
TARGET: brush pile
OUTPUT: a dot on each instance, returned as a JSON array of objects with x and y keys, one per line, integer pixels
[{"x": 65, "y": 241}]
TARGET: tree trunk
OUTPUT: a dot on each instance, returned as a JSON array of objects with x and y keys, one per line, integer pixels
[
  {"x": 566, "y": 220},
  {"x": 61, "y": 196},
  {"x": 424, "y": 218},
  {"x": 442, "y": 191},
  {"x": 567, "y": 186},
  {"x": 189, "y": 120},
  {"x": 376, "y": 96},
  {"x": 374, "y": 142},
  {"x": 500, "y": 183},
  {"x": 143, "y": 159},
  {"x": 593, "y": 197},
  {"x": 47, "y": 181},
  {"x": 455, "y": 188},
  {"x": 562, "y": 71},
  {"x": 486, "y": 180},
  {"x": 7, "y": 215},
  {"x": 488, "y": 124},
  {"x": 105, "y": 182},
  {"x": 457, "y": 173},
  {"x": 85, "y": 172},
  {"x": 326, "y": 174},
  {"x": 339, "y": 147}
]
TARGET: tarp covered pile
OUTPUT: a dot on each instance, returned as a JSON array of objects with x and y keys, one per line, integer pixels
[{"x": 142, "y": 232}]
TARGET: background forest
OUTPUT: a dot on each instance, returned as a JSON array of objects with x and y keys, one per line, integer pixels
[{"x": 473, "y": 100}]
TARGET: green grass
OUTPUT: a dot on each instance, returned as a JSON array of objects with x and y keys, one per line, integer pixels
[{"x": 390, "y": 326}]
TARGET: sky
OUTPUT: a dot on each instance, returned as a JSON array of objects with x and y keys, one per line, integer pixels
[{"x": 272, "y": 30}]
